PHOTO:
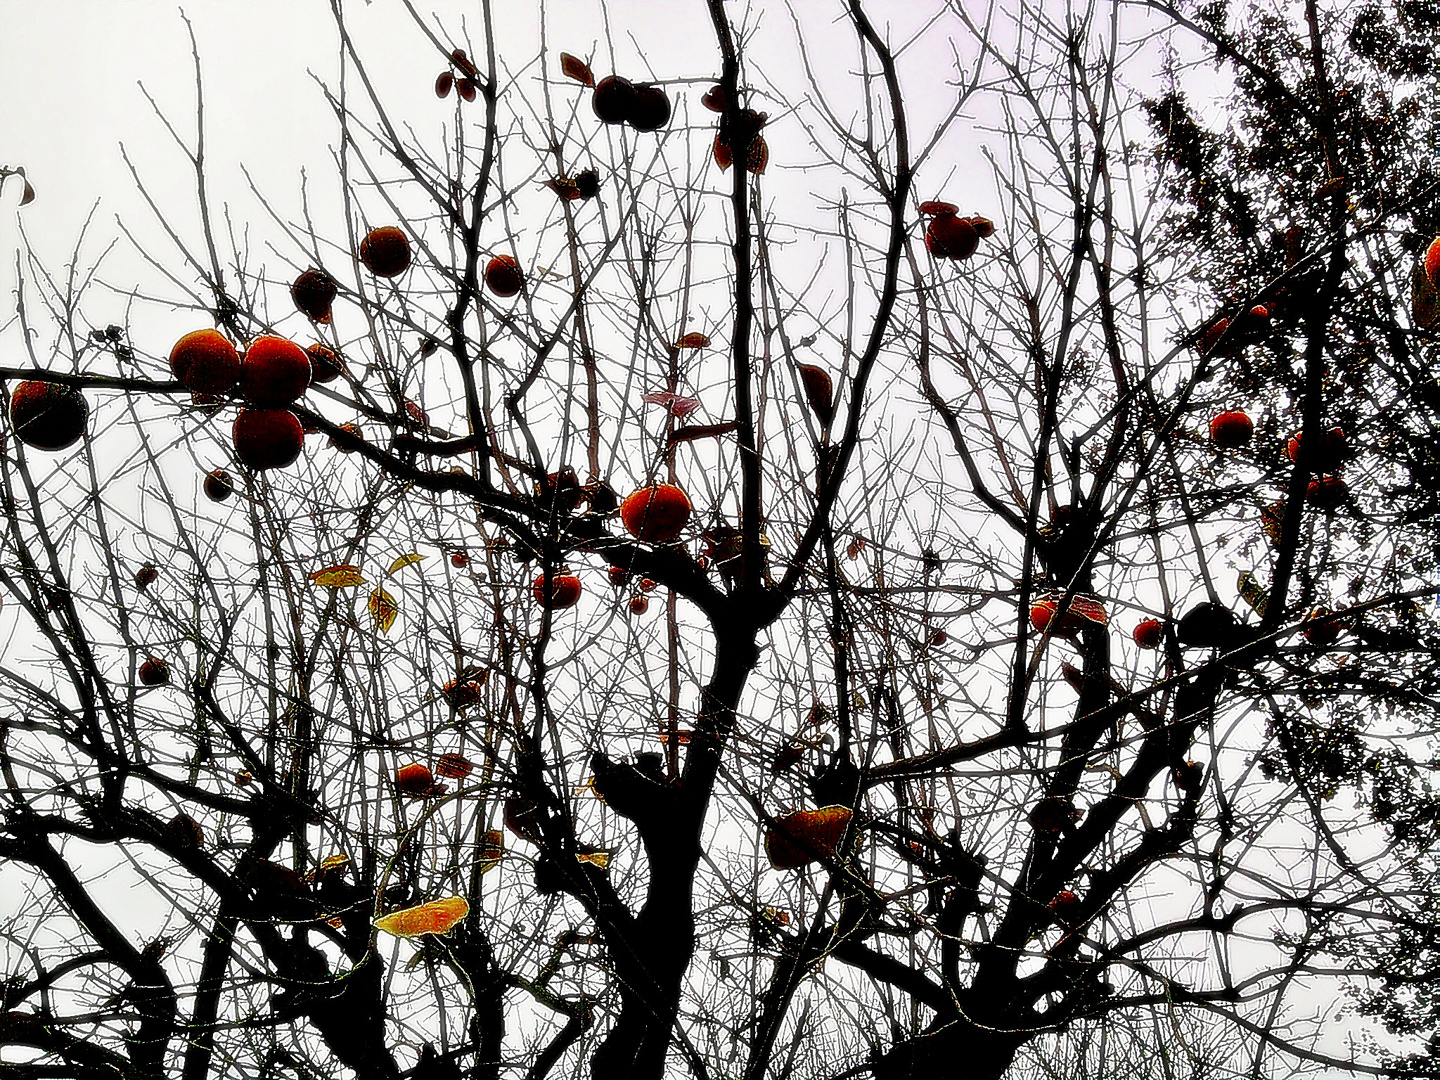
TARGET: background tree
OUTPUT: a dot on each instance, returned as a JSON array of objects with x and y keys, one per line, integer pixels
[
  {"x": 1335, "y": 241},
  {"x": 935, "y": 732}
]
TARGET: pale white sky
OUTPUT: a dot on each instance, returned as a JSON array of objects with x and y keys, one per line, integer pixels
[{"x": 71, "y": 75}]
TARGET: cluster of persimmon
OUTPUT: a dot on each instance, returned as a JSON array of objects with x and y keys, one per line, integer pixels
[
  {"x": 1228, "y": 337},
  {"x": 638, "y": 603},
  {"x": 1233, "y": 429},
  {"x": 950, "y": 236},
  {"x": 653, "y": 515},
  {"x": 1214, "y": 625},
  {"x": 271, "y": 376},
  {"x": 643, "y": 106},
  {"x": 417, "y": 781}
]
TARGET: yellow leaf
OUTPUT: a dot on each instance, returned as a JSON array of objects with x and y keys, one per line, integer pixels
[
  {"x": 343, "y": 576},
  {"x": 404, "y": 561},
  {"x": 334, "y": 862},
  {"x": 596, "y": 857},
  {"x": 383, "y": 609},
  {"x": 778, "y": 915},
  {"x": 492, "y": 850},
  {"x": 692, "y": 341},
  {"x": 436, "y": 917}
]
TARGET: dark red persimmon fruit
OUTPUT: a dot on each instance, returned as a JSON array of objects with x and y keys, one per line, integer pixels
[
  {"x": 268, "y": 438},
  {"x": 385, "y": 251},
  {"x": 205, "y": 362},
  {"x": 325, "y": 366},
  {"x": 1326, "y": 492},
  {"x": 274, "y": 372},
  {"x": 46, "y": 415},
  {"x": 1149, "y": 634},
  {"x": 414, "y": 779},
  {"x": 613, "y": 99},
  {"x": 650, "y": 109},
  {"x": 656, "y": 514},
  {"x": 218, "y": 485},
  {"x": 951, "y": 237},
  {"x": 503, "y": 276},
  {"x": 1231, "y": 429},
  {"x": 562, "y": 591},
  {"x": 313, "y": 293},
  {"x": 154, "y": 672}
]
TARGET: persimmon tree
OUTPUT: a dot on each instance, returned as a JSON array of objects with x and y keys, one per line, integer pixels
[{"x": 733, "y": 593}]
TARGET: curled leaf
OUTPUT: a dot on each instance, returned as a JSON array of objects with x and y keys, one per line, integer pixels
[
  {"x": 679, "y": 406},
  {"x": 807, "y": 836},
  {"x": 789, "y": 755},
  {"x": 714, "y": 99},
  {"x": 343, "y": 576},
  {"x": 454, "y": 766},
  {"x": 692, "y": 341},
  {"x": 1253, "y": 593},
  {"x": 492, "y": 850},
  {"x": 383, "y": 609},
  {"x": 404, "y": 560},
  {"x": 819, "y": 391},
  {"x": 575, "y": 68},
  {"x": 436, "y": 917},
  {"x": 28, "y": 195},
  {"x": 461, "y": 61},
  {"x": 1272, "y": 519},
  {"x": 1088, "y": 607},
  {"x": 935, "y": 208},
  {"x": 701, "y": 431},
  {"x": 563, "y": 186}
]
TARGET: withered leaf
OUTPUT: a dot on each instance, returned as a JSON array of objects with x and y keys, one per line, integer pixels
[
  {"x": 383, "y": 609},
  {"x": 343, "y": 576},
  {"x": 576, "y": 69},
  {"x": 436, "y": 917}
]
